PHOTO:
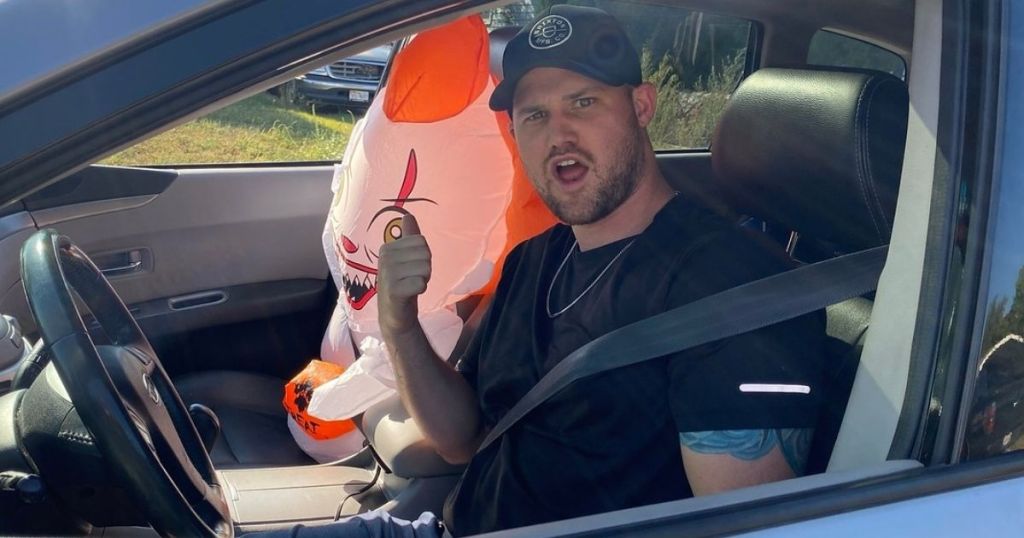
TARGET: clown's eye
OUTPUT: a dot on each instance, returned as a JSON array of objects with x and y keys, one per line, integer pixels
[{"x": 393, "y": 230}]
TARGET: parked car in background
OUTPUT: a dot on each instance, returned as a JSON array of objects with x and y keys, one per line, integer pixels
[{"x": 350, "y": 83}]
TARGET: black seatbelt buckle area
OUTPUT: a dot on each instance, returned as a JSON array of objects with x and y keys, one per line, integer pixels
[
  {"x": 358, "y": 420},
  {"x": 378, "y": 459}
]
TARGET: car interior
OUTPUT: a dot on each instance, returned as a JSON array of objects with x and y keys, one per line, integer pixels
[{"x": 223, "y": 269}]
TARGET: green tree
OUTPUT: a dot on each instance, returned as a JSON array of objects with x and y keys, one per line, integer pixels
[
  {"x": 1015, "y": 315},
  {"x": 515, "y": 14},
  {"x": 686, "y": 117}
]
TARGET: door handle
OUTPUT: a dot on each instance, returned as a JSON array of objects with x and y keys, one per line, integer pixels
[
  {"x": 126, "y": 262},
  {"x": 123, "y": 269},
  {"x": 196, "y": 300}
]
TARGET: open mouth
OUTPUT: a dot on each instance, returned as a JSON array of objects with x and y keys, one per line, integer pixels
[
  {"x": 569, "y": 172},
  {"x": 359, "y": 285}
]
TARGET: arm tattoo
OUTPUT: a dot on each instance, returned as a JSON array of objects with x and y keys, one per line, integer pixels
[{"x": 751, "y": 445}]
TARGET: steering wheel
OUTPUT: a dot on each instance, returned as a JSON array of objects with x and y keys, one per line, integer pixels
[{"x": 122, "y": 393}]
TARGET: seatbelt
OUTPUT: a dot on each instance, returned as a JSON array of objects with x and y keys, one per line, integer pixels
[{"x": 735, "y": 311}]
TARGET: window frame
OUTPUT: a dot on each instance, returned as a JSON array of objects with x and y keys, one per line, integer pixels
[
  {"x": 858, "y": 39},
  {"x": 986, "y": 62},
  {"x": 172, "y": 93}
]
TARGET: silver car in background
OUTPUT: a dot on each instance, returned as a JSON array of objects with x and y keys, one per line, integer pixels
[{"x": 350, "y": 83}]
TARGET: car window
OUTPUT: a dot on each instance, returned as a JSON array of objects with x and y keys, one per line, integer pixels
[
  {"x": 995, "y": 418},
  {"x": 306, "y": 119},
  {"x": 831, "y": 49},
  {"x": 695, "y": 59}
]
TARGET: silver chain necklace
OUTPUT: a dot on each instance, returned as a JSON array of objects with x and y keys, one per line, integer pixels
[{"x": 558, "y": 271}]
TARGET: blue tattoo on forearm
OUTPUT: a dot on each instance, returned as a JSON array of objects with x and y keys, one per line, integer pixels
[{"x": 751, "y": 445}]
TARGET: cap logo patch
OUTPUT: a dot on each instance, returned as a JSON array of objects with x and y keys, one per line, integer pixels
[{"x": 551, "y": 31}]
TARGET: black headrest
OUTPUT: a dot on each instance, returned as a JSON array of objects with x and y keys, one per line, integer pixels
[
  {"x": 817, "y": 151},
  {"x": 499, "y": 38}
]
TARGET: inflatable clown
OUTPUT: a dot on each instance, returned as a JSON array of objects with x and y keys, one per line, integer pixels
[{"x": 428, "y": 146}]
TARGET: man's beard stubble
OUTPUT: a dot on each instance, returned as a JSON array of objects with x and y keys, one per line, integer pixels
[{"x": 609, "y": 190}]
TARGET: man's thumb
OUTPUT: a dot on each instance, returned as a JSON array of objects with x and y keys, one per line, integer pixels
[{"x": 410, "y": 226}]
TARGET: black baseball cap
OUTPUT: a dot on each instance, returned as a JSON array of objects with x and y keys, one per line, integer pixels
[{"x": 586, "y": 40}]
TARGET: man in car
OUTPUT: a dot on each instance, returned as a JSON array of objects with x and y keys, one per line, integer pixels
[{"x": 734, "y": 413}]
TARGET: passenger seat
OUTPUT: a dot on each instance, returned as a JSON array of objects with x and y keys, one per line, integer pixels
[{"x": 818, "y": 152}]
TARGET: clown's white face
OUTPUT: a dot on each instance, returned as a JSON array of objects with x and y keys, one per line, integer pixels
[
  {"x": 384, "y": 226},
  {"x": 457, "y": 185}
]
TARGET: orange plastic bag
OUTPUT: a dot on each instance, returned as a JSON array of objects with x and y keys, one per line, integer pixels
[{"x": 299, "y": 392}]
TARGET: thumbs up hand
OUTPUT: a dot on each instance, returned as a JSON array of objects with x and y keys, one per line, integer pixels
[{"x": 403, "y": 273}]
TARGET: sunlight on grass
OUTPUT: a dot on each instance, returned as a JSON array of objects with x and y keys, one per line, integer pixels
[{"x": 258, "y": 129}]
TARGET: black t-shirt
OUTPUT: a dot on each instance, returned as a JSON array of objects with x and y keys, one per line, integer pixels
[{"x": 611, "y": 441}]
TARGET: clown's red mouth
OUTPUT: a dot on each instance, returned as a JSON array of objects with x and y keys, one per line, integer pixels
[{"x": 360, "y": 285}]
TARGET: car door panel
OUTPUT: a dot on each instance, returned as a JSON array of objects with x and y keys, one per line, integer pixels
[
  {"x": 194, "y": 249},
  {"x": 99, "y": 184},
  {"x": 216, "y": 228},
  {"x": 988, "y": 510}
]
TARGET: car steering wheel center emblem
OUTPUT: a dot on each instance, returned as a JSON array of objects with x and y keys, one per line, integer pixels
[
  {"x": 551, "y": 31},
  {"x": 151, "y": 388}
]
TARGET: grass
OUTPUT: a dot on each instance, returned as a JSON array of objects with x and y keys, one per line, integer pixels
[
  {"x": 686, "y": 117},
  {"x": 261, "y": 128}
]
